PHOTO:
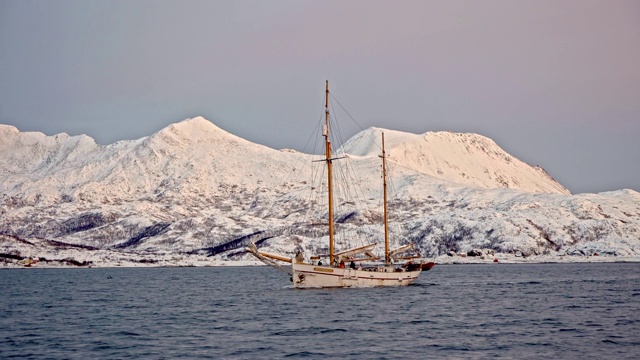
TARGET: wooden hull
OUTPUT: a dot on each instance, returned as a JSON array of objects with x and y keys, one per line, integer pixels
[{"x": 318, "y": 276}]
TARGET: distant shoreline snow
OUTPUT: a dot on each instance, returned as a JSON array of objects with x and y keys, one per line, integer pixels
[{"x": 441, "y": 260}]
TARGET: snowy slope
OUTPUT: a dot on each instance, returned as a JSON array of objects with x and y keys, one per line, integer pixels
[
  {"x": 466, "y": 159},
  {"x": 190, "y": 158},
  {"x": 193, "y": 193}
]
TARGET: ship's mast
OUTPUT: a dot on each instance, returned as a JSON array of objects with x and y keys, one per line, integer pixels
[
  {"x": 386, "y": 214},
  {"x": 329, "y": 174}
]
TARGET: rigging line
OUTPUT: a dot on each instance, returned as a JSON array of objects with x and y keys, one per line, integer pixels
[
  {"x": 357, "y": 185},
  {"x": 339, "y": 137},
  {"x": 317, "y": 174},
  {"x": 354, "y": 120},
  {"x": 390, "y": 175},
  {"x": 344, "y": 202},
  {"x": 358, "y": 196},
  {"x": 345, "y": 110},
  {"x": 353, "y": 191},
  {"x": 344, "y": 191},
  {"x": 335, "y": 129},
  {"x": 318, "y": 127},
  {"x": 358, "y": 191},
  {"x": 348, "y": 192},
  {"x": 394, "y": 200},
  {"x": 336, "y": 137},
  {"x": 360, "y": 187},
  {"x": 300, "y": 160},
  {"x": 303, "y": 156},
  {"x": 314, "y": 196},
  {"x": 309, "y": 200},
  {"x": 348, "y": 174},
  {"x": 352, "y": 200},
  {"x": 315, "y": 132}
]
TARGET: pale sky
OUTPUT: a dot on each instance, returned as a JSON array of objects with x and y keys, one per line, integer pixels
[{"x": 554, "y": 83}]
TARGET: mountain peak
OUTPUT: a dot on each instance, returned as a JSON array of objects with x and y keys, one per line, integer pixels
[
  {"x": 368, "y": 142},
  {"x": 194, "y": 125},
  {"x": 192, "y": 130}
]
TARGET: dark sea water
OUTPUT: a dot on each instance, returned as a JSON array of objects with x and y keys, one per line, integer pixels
[{"x": 453, "y": 311}]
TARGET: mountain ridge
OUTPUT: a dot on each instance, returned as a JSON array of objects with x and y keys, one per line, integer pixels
[
  {"x": 192, "y": 190},
  {"x": 197, "y": 143},
  {"x": 464, "y": 158}
]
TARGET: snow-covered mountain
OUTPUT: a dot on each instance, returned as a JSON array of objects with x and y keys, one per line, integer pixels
[
  {"x": 465, "y": 159},
  {"x": 192, "y": 191},
  {"x": 193, "y": 157}
]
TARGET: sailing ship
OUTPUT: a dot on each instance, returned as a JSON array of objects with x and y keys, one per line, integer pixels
[{"x": 355, "y": 267}]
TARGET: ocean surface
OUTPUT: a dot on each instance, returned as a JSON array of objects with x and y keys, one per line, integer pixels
[{"x": 453, "y": 311}]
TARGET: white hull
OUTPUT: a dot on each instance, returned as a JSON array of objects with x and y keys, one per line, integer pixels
[{"x": 322, "y": 276}]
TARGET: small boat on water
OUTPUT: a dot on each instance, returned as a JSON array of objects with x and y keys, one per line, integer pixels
[{"x": 353, "y": 267}]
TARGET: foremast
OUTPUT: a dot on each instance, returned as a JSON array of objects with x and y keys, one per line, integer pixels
[{"x": 327, "y": 143}]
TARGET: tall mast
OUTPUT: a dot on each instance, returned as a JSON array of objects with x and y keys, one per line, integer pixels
[
  {"x": 386, "y": 214},
  {"x": 329, "y": 174}
]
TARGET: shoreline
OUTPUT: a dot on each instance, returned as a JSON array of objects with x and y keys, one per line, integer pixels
[{"x": 173, "y": 262}]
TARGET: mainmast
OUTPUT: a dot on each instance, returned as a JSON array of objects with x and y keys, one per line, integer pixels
[
  {"x": 329, "y": 174},
  {"x": 386, "y": 214}
]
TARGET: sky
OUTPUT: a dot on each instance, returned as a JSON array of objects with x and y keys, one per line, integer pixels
[{"x": 554, "y": 83}]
